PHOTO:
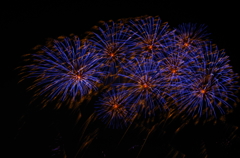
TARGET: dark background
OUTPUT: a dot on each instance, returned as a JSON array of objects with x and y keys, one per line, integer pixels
[{"x": 31, "y": 132}]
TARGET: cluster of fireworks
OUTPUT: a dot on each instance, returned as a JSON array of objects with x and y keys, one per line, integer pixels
[{"x": 141, "y": 67}]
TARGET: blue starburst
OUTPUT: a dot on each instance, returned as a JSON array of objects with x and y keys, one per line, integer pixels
[{"x": 67, "y": 70}]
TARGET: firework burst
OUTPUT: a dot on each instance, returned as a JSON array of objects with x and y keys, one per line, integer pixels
[
  {"x": 113, "y": 45},
  {"x": 148, "y": 77},
  {"x": 177, "y": 67},
  {"x": 210, "y": 86},
  {"x": 144, "y": 86},
  {"x": 191, "y": 36},
  {"x": 114, "y": 109},
  {"x": 66, "y": 71},
  {"x": 151, "y": 35}
]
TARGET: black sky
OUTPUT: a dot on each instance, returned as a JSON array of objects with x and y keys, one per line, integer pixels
[{"x": 27, "y": 24}]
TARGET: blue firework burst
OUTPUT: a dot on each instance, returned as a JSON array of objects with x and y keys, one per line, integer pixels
[
  {"x": 114, "y": 109},
  {"x": 113, "y": 45},
  {"x": 177, "y": 67},
  {"x": 151, "y": 35},
  {"x": 144, "y": 86},
  {"x": 210, "y": 86},
  {"x": 155, "y": 67},
  {"x": 191, "y": 35},
  {"x": 67, "y": 70}
]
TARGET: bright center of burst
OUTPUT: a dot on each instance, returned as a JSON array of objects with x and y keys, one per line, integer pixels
[
  {"x": 202, "y": 91},
  {"x": 150, "y": 47},
  {"x": 174, "y": 70},
  {"x": 111, "y": 54},
  {"x": 186, "y": 44},
  {"x": 145, "y": 85},
  {"x": 115, "y": 106},
  {"x": 79, "y": 77}
]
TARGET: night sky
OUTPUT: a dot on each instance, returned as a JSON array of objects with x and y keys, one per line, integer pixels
[{"x": 35, "y": 132}]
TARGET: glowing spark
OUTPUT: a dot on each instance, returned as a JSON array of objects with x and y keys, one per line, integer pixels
[
  {"x": 186, "y": 44},
  {"x": 79, "y": 77},
  {"x": 150, "y": 47},
  {"x": 115, "y": 106},
  {"x": 145, "y": 85},
  {"x": 203, "y": 91},
  {"x": 174, "y": 71}
]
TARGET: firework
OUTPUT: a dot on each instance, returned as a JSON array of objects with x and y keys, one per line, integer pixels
[
  {"x": 148, "y": 77},
  {"x": 191, "y": 36},
  {"x": 177, "y": 67},
  {"x": 144, "y": 86},
  {"x": 209, "y": 88},
  {"x": 114, "y": 109},
  {"x": 151, "y": 35},
  {"x": 113, "y": 44},
  {"x": 65, "y": 71}
]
